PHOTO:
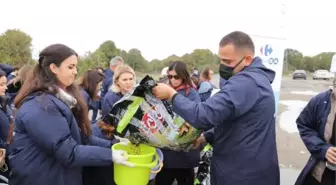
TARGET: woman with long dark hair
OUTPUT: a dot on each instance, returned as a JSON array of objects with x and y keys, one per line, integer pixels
[
  {"x": 6, "y": 128},
  {"x": 53, "y": 138},
  {"x": 180, "y": 165},
  {"x": 90, "y": 87}
]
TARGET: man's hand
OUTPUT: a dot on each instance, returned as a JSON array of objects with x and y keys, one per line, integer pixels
[
  {"x": 199, "y": 141},
  {"x": 163, "y": 91},
  {"x": 331, "y": 155}
]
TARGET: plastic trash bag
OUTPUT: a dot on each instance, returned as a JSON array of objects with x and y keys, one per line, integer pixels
[{"x": 142, "y": 118}]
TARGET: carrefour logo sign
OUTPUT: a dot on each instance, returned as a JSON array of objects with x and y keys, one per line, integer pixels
[{"x": 266, "y": 50}]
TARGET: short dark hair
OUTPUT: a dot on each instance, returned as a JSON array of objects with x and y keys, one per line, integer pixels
[
  {"x": 238, "y": 39},
  {"x": 2, "y": 73}
]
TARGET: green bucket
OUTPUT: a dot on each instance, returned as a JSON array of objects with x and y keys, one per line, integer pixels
[{"x": 143, "y": 163}]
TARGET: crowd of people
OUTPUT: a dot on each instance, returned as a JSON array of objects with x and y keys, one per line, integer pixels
[{"x": 47, "y": 136}]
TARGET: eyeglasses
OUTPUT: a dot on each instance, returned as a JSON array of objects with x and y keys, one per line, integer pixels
[{"x": 176, "y": 77}]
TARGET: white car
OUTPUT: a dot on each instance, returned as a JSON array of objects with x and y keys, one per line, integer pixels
[{"x": 323, "y": 75}]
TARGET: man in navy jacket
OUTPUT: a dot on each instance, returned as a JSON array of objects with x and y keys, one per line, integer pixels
[
  {"x": 242, "y": 114},
  {"x": 108, "y": 81}
]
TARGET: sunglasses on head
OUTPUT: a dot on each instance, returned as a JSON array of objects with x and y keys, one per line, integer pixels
[{"x": 176, "y": 77}]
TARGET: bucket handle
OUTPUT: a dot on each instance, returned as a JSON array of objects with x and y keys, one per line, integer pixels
[
  {"x": 160, "y": 168},
  {"x": 149, "y": 165}
]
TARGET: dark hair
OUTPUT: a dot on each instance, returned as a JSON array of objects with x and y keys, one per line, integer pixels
[
  {"x": 2, "y": 73},
  {"x": 42, "y": 79},
  {"x": 16, "y": 68},
  {"x": 182, "y": 71},
  {"x": 195, "y": 80},
  {"x": 206, "y": 73},
  {"x": 99, "y": 68},
  {"x": 90, "y": 80},
  {"x": 239, "y": 40}
]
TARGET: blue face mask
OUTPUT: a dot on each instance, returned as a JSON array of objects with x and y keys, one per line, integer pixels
[{"x": 227, "y": 72}]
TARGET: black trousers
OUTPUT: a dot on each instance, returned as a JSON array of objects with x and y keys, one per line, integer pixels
[
  {"x": 328, "y": 178},
  {"x": 98, "y": 175},
  {"x": 183, "y": 176}
]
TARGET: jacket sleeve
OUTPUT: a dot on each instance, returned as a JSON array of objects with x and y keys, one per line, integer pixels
[
  {"x": 4, "y": 128},
  {"x": 107, "y": 104},
  {"x": 209, "y": 136},
  {"x": 96, "y": 141},
  {"x": 3, "y": 144},
  {"x": 194, "y": 96},
  {"x": 237, "y": 97},
  {"x": 51, "y": 133},
  {"x": 308, "y": 124},
  {"x": 105, "y": 86}
]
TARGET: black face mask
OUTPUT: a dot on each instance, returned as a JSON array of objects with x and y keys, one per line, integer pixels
[{"x": 227, "y": 72}]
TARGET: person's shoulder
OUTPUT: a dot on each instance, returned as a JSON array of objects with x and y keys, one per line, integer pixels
[
  {"x": 112, "y": 95},
  {"x": 192, "y": 90},
  {"x": 39, "y": 104},
  {"x": 322, "y": 96}
]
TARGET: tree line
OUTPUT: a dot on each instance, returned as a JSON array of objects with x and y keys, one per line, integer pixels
[{"x": 16, "y": 49}]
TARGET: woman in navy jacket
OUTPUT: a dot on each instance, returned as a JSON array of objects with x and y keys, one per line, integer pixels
[
  {"x": 6, "y": 127},
  {"x": 53, "y": 139},
  {"x": 123, "y": 82},
  {"x": 316, "y": 125},
  {"x": 90, "y": 88},
  {"x": 180, "y": 165}
]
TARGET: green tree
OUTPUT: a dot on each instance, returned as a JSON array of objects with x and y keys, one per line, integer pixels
[
  {"x": 15, "y": 47},
  {"x": 137, "y": 61},
  {"x": 106, "y": 51}
]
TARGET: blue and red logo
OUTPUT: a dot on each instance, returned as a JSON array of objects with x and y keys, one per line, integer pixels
[{"x": 266, "y": 50}]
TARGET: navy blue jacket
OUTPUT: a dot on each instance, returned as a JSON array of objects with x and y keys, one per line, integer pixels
[
  {"x": 6, "y": 68},
  {"x": 48, "y": 147},
  {"x": 6, "y": 116},
  {"x": 204, "y": 90},
  {"x": 243, "y": 117},
  {"x": 107, "y": 82},
  {"x": 173, "y": 159},
  {"x": 311, "y": 124},
  {"x": 222, "y": 82},
  {"x": 5, "y": 120},
  {"x": 109, "y": 100}
]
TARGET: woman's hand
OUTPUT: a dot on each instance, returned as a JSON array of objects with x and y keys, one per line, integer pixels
[
  {"x": 2, "y": 156},
  {"x": 331, "y": 155},
  {"x": 163, "y": 91}
]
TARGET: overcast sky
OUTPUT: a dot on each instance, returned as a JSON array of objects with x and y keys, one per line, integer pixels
[{"x": 160, "y": 28}]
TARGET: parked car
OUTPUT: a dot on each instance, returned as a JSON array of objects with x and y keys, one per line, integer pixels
[
  {"x": 322, "y": 74},
  {"x": 299, "y": 74}
]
